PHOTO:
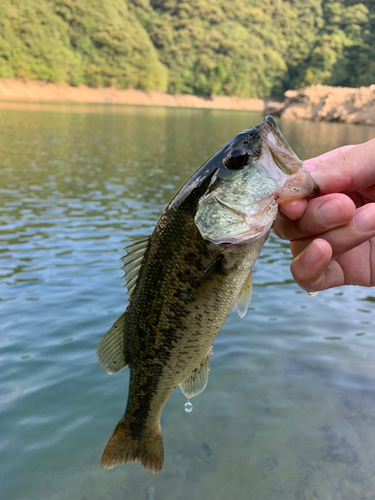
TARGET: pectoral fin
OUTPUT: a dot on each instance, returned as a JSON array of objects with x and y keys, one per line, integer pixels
[
  {"x": 196, "y": 382},
  {"x": 210, "y": 280},
  {"x": 111, "y": 351},
  {"x": 245, "y": 296}
]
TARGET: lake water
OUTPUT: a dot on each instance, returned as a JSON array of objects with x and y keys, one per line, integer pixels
[{"x": 289, "y": 410}]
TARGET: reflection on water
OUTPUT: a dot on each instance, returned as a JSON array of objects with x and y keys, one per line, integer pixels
[{"x": 290, "y": 406}]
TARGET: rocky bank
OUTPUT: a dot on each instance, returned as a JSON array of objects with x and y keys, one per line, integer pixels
[{"x": 325, "y": 103}]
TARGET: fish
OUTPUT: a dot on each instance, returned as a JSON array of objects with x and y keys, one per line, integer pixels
[{"x": 184, "y": 280}]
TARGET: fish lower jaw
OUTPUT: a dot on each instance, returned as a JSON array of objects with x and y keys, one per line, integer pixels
[
  {"x": 260, "y": 223},
  {"x": 300, "y": 185},
  {"x": 263, "y": 217},
  {"x": 253, "y": 234},
  {"x": 257, "y": 231}
]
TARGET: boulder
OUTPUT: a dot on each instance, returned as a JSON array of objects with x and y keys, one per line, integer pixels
[{"x": 331, "y": 104}]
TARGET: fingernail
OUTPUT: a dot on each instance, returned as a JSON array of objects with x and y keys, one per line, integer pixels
[
  {"x": 310, "y": 168},
  {"x": 333, "y": 212},
  {"x": 364, "y": 220},
  {"x": 313, "y": 253},
  {"x": 280, "y": 213}
]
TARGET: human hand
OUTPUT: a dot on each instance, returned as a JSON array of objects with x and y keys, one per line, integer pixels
[{"x": 333, "y": 236}]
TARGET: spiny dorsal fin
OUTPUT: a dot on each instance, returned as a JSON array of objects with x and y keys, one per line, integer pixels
[
  {"x": 133, "y": 261},
  {"x": 111, "y": 348},
  {"x": 196, "y": 382},
  {"x": 245, "y": 296}
]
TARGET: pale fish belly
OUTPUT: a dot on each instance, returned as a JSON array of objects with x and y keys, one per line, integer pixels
[{"x": 204, "y": 320}]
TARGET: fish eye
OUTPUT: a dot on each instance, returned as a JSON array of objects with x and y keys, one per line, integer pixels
[{"x": 237, "y": 159}]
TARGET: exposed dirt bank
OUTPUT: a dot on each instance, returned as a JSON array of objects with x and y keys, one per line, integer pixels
[
  {"x": 317, "y": 102},
  {"x": 331, "y": 104},
  {"x": 14, "y": 90}
]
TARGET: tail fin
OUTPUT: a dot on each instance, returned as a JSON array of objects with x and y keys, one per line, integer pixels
[{"x": 123, "y": 448}]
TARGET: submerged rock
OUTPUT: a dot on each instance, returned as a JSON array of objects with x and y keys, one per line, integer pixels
[{"x": 325, "y": 103}]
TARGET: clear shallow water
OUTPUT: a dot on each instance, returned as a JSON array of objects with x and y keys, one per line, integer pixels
[{"x": 289, "y": 411}]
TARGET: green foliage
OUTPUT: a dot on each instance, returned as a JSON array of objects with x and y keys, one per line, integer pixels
[
  {"x": 333, "y": 58},
  {"x": 224, "y": 47},
  {"x": 92, "y": 42}
]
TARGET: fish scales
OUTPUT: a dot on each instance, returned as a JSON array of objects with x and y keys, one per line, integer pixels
[
  {"x": 186, "y": 327},
  {"x": 195, "y": 269}
]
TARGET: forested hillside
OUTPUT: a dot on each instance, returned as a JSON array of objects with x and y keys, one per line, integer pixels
[{"x": 248, "y": 48}]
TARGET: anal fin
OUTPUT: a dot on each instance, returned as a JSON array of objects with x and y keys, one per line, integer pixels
[{"x": 196, "y": 382}]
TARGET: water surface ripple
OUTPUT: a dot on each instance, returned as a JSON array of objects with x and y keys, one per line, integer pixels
[{"x": 289, "y": 411}]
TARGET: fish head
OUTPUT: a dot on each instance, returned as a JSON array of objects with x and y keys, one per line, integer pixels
[{"x": 254, "y": 172}]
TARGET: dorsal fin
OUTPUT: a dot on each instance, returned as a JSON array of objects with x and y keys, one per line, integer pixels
[
  {"x": 133, "y": 261},
  {"x": 111, "y": 351},
  {"x": 245, "y": 296},
  {"x": 196, "y": 382}
]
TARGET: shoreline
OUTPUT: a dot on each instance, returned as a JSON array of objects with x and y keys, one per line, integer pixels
[
  {"x": 315, "y": 103},
  {"x": 12, "y": 90}
]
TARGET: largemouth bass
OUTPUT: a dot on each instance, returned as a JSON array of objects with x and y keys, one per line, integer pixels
[{"x": 184, "y": 280}]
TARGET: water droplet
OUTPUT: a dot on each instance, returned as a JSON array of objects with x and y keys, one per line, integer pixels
[{"x": 188, "y": 407}]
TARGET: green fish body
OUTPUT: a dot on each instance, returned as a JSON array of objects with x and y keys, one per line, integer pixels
[{"x": 186, "y": 278}]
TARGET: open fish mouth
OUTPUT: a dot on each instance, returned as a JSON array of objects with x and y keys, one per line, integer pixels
[
  {"x": 259, "y": 169},
  {"x": 283, "y": 165}
]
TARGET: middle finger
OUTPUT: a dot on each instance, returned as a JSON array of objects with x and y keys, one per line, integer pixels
[
  {"x": 344, "y": 238},
  {"x": 321, "y": 215}
]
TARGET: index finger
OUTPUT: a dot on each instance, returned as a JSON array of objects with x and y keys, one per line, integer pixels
[
  {"x": 326, "y": 156},
  {"x": 347, "y": 168},
  {"x": 322, "y": 214},
  {"x": 350, "y": 170}
]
